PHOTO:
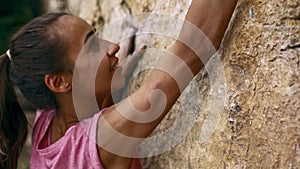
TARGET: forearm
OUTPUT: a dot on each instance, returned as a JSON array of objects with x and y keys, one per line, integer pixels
[
  {"x": 211, "y": 17},
  {"x": 202, "y": 31}
]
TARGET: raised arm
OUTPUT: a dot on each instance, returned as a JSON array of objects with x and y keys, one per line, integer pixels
[{"x": 139, "y": 114}]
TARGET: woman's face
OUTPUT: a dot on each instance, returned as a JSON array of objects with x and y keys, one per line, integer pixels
[{"x": 93, "y": 58}]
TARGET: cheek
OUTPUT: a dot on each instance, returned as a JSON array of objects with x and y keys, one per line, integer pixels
[
  {"x": 103, "y": 70},
  {"x": 102, "y": 83},
  {"x": 103, "y": 78}
]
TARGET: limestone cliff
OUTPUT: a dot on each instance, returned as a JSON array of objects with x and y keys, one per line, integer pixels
[{"x": 258, "y": 125}]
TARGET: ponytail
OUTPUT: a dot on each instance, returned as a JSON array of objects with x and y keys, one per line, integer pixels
[{"x": 13, "y": 122}]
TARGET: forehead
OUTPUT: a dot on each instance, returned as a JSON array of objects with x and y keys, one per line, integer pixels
[
  {"x": 73, "y": 30},
  {"x": 72, "y": 25}
]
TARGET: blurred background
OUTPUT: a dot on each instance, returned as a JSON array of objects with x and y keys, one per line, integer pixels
[{"x": 14, "y": 14}]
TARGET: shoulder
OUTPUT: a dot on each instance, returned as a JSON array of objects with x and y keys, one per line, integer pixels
[
  {"x": 43, "y": 117},
  {"x": 43, "y": 113},
  {"x": 42, "y": 121}
]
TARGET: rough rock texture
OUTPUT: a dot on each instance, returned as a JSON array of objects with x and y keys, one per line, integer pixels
[{"x": 259, "y": 122}]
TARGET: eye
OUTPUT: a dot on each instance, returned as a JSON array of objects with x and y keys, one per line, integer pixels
[{"x": 93, "y": 43}]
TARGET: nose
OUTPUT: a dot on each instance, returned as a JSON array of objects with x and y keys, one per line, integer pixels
[{"x": 112, "y": 48}]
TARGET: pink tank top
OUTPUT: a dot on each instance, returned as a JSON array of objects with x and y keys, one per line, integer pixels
[{"x": 77, "y": 149}]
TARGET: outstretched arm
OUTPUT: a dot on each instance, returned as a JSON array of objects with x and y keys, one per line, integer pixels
[{"x": 145, "y": 108}]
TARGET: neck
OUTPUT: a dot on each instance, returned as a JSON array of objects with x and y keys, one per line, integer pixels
[
  {"x": 64, "y": 118},
  {"x": 83, "y": 107}
]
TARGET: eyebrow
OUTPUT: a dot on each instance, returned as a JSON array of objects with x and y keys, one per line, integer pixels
[{"x": 89, "y": 35}]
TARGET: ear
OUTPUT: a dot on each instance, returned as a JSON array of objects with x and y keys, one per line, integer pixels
[{"x": 58, "y": 83}]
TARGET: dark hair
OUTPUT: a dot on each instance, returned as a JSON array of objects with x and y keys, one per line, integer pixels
[{"x": 36, "y": 50}]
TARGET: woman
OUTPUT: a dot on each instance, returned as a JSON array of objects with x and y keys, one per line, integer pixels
[{"x": 42, "y": 62}]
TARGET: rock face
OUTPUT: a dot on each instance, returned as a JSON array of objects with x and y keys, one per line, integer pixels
[{"x": 257, "y": 125}]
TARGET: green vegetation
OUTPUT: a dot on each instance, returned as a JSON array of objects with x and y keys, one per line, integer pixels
[{"x": 14, "y": 14}]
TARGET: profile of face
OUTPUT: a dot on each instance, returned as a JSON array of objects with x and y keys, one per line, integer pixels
[{"x": 93, "y": 60}]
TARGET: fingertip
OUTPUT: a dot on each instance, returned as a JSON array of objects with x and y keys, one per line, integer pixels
[{"x": 142, "y": 47}]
